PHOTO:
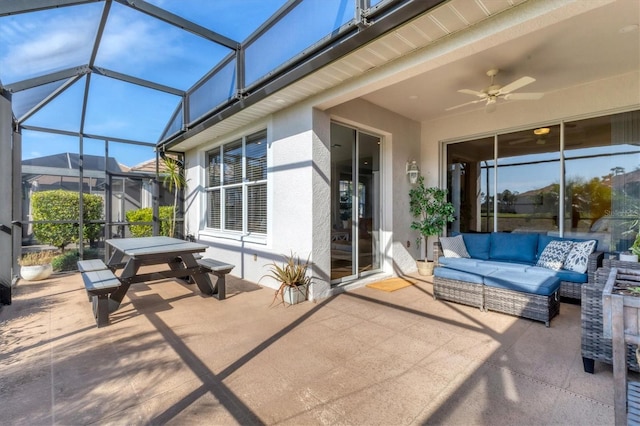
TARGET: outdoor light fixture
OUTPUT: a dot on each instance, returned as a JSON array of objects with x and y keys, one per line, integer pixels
[{"x": 413, "y": 171}]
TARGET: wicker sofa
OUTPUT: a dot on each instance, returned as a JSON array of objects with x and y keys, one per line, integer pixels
[
  {"x": 595, "y": 347},
  {"x": 501, "y": 275}
]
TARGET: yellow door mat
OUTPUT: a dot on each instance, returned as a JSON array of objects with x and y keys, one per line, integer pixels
[{"x": 392, "y": 284}]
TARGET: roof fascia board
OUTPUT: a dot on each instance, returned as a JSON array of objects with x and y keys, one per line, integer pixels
[
  {"x": 398, "y": 16},
  {"x": 24, "y": 6},
  {"x": 59, "y": 171},
  {"x": 180, "y": 22},
  {"x": 47, "y": 78}
]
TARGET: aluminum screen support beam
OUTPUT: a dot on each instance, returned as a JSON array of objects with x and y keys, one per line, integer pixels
[
  {"x": 24, "y": 6},
  {"x": 182, "y": 23},
  {"x": 7, "y": 260}
]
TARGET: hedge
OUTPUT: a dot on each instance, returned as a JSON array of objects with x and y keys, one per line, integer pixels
[
  {"x": 146, "y": 215},
  {"x": 65, "y": 205}
]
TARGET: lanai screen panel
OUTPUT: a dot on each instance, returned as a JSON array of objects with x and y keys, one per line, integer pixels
[{"x": 309, "y": 22}]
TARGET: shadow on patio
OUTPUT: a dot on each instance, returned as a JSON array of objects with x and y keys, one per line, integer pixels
[{"x": 363, "y": 357}]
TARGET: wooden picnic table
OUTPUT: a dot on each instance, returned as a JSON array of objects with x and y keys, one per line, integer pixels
[{"x": 129, "y": 254}]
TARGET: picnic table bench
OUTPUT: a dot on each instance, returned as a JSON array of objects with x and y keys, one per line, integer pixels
[
  {"x": 99, "y": 282},
  {"x": 220, "y": 270}
]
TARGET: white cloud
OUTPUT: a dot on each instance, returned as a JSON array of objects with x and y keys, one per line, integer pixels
[
  {"x": 135, "y": 43},
  {"x": 37, "y": 43}
]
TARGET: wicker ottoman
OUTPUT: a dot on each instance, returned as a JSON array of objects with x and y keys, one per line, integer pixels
[
  {"x": 528, "y": 295},
  {"x": 533, "y": 306}
]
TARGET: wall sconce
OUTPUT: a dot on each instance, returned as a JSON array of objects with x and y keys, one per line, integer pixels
[{"x": 413, "y": 172}]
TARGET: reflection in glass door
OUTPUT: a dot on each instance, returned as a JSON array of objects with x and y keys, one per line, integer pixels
[{"x": 355, "y": 203}]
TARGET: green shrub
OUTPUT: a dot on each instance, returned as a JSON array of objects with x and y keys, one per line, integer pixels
[
  {"x": 64, "y": 205},
  {"x": 146, "y": 215},
  {"x": 68, "y": 261}
]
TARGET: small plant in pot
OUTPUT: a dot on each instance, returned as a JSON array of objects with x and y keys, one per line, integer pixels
[
  {"x": 634, "y": 252},
  {"x": 431, "y": 211},
  {"x": 293, "y": 279},
  {"x": 35, "y": 266}
]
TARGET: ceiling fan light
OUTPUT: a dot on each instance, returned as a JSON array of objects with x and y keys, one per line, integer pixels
[
  {"x": 541, "y": 131},
  {"x": 491, "y": 105}
]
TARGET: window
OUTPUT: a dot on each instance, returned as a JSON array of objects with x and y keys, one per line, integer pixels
[
  {"x": 237, "y": 186},
  {"x": 588, "y": 187}
]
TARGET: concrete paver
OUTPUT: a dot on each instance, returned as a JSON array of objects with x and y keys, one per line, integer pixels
[{"x": 172, "y": 356}]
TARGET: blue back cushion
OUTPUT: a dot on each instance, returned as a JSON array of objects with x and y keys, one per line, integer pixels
[
  {"x": 517, "y": 247},
  {"x": 477, "y": 245}
]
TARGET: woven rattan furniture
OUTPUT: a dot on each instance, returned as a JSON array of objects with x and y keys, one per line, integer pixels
[
  {"x": 594, "y": 346},
  {"x": 527, "y": 305},
  {"x": 568, "y": 289},
  {"x": 533, "y": 306},
  {"x": 459, "y": 291}
]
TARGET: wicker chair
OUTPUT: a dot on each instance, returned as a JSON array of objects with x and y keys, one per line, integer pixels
[{"x": 594, "y": 346}]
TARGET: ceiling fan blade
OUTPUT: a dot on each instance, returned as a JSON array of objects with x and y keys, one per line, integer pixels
[
  {"x": 521, "y": 82},
  {"x": 473, "y": 93},
  {"x": 524, "y": 96},
  {"x": 464, "y": 104}
]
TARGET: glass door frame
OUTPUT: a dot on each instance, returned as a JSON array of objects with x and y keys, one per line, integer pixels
[{"x": 355, "y": 195}]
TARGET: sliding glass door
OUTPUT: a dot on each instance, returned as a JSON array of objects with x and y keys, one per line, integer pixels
[
  {"x": 355, "y": 203},
  {"x": 576, "y": 178}
]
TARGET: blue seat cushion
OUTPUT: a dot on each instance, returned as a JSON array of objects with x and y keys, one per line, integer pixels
[
  {"x": 454, "y": 274},
  {"x": 523, "y": 282},
  {"x": 460, "y": 261},
  {"x": 516, "y": 247},
  {"x": 512, "y": 266},
  {"x": 477, "y": 245},
  {"x": 563, "y": 274}
]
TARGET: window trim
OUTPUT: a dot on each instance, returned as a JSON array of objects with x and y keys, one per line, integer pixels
[{"x": 244, "y": 184}]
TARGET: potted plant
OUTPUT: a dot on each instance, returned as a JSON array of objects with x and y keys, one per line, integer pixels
[
  {"x": 293, "y": 279},
  {"x": 634, "y": 252},
  {"x": 431, "y": 211},
  {"x": 35, "y": 266}
]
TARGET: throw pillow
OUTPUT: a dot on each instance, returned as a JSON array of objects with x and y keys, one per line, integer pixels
[
  {"x": 454, "y": 246},
  {"x": 578, "y": 258},
  {"x": 554, "y": 254}
]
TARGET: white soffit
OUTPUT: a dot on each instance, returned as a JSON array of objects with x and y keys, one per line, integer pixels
[{"x": 435, "y": 25}]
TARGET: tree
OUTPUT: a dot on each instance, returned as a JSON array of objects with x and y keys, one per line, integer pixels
[{"x": 174, "y": 181}]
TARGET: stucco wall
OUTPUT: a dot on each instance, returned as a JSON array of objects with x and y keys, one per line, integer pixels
[{"x": 298, "y": 210}]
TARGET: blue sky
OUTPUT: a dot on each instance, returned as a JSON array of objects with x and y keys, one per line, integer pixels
[{"x": 38, "y": 43}]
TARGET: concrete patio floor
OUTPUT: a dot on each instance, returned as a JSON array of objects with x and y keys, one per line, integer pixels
[{"x": 365, "y": 357}]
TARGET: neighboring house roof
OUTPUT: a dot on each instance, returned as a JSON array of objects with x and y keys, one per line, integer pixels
[
  {"x": 71, "y": 161},
  {"x": 149, "y": 166}
]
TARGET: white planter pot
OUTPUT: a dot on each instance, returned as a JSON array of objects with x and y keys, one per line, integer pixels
[
  {"x": 425, "y": 267},
  {"x": 36, "y": 272},
  {"x": 628, "y": 257},
  {"x": 293, "y": 295}
]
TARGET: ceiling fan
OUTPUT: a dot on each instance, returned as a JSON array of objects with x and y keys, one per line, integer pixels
[{"x": 491, "y": 94}]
